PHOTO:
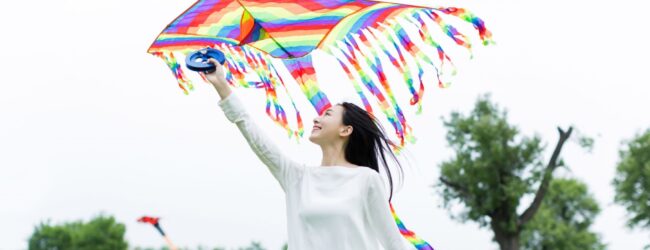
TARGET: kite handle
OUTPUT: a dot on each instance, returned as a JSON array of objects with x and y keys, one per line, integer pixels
[{"x": 198, "y": 61}]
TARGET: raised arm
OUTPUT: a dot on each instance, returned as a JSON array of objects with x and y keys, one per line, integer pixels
[
  {"x": 382, "y": 223},
  {"x": 284, "y": 169}
]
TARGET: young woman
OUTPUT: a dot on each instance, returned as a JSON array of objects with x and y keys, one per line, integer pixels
[{"x": 342, "y": 204}]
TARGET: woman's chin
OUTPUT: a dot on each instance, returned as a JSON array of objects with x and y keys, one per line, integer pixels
[{"x": 314, "y": 137}]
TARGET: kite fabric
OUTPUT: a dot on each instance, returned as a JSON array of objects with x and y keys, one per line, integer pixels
[
  {"x": 154, "y": 222},
  {"x": 253, "y": 33}
]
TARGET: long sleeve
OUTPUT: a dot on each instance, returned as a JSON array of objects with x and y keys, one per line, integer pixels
[
  {"x": 381, "y": 220},
  {"x": 285, "y": 170}
]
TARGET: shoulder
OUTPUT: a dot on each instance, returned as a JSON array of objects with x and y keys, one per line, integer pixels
[
  {"x": 373, "y": 178},
  {"x": 368, "y": 172},
  {"x": 375, "y": 187}
]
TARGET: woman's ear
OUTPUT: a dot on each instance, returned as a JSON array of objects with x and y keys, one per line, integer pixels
[{"x": 346, "y": 131}]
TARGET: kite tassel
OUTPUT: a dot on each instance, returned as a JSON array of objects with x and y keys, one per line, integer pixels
[
  {"x": 419, "y": 243},
  {"x": 393, "y": 30},
  {"x": 402, "y": 67},
  {"x": 244, "y": 61},
  {"x": 372, "y": 60},
  {"x": 276, "y": 78},
  {"x": 479, "y": 25},
  {"x": 351, "y": 55},
  {"x": 176, "y": 69},
  {"x": 353, "y": 80}
]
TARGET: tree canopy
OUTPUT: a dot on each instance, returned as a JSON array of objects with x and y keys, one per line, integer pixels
[
  {"x": 632, "y": 180},
  {"x": 564, "y": 219},
  {"x": 100, "y": 233},
  {"x": 493, "y": 168}
]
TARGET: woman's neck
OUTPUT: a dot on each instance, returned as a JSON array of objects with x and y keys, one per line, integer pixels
[{"x": 334, "y": 155}]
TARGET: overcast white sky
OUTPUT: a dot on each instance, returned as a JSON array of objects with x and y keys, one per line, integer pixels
[{"x": 91, "y": 123}]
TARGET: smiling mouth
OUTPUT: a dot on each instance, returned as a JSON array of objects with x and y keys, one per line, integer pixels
[{"x": 315, "y": 128}]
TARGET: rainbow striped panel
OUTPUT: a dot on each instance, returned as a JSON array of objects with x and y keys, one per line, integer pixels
[{"x": 283, "y": 29}]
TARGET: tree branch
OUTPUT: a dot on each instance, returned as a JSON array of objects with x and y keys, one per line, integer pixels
[
  {"x": 460, "y": 189},
  {"x": 548, "y": 176}
]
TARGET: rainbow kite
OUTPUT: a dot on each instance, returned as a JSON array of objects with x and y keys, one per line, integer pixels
[
  {"x": 356, "y": 33},
  {"x": 255, "y": 33}
]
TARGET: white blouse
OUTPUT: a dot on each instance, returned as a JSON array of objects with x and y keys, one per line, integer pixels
[{"x": 328, "y": 208}]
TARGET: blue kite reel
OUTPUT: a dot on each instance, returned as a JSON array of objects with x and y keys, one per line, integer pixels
[{"x": 198, "y": 61}]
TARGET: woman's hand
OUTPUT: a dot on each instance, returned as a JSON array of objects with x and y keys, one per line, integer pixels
[{"x": 218, "y": 79}]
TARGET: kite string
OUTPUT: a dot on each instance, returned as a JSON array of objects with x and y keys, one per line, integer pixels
[{"x": 170, "y": 243}]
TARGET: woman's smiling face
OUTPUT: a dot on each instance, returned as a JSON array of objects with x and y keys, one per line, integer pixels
[{"x": 329, "y": 127}]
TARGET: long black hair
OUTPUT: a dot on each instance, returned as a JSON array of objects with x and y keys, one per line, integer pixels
[{"x": 368, "y": 143}]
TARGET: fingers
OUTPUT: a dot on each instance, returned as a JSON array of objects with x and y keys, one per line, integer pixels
[{"x": 213, "y": 61}]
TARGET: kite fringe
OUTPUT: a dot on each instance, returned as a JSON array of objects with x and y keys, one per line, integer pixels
[
  {"x": 177, "y": 70},
  {"x": 363, "y": 49},
  {"x": 367, "y": 44},
  {"x": 352, "y": 53},
  {"x": 355, "y": 53},
  {"x": 418, "y": 242},
  {"x": 242, "y": 61}
]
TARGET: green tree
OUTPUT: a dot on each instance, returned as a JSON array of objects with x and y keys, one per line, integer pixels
[
  {"x": 254, "y": 246},
  {"x": 102, "y": 232},
  {"x": 564, "y": 219},
  {"x": 493, "y": 168},
  {"x": 632, "y": 180}
]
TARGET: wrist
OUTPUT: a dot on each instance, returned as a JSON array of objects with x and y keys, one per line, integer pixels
[
  {"x": 219, "y": 83},
  {"x": 222, "y": 88}
]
